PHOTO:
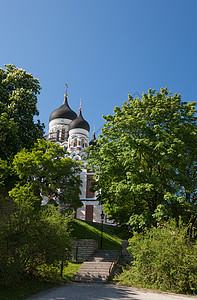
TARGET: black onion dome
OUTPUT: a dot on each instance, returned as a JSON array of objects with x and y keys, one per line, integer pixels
[
  {"x": 63, "y": 112},
  {"x": 93, "y": 140},
  {"x": 79, "y": 122}
]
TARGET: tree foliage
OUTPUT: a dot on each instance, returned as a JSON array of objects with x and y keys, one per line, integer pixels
[
  {"x": 35, "y": 236},
  {"x": 164, "y": 258},
  {"x": 32, "y": 241},
  {"x": 18, "y": 100},
  {"x": 18, "y": 128},
  {"x": 32, "y": 235},
  {"x": 48, "y": 174},
  {"x": 146, "y": 161}
]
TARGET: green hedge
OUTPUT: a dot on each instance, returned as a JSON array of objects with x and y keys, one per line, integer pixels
[
  {"x": 165, "y": 258},
  {"x": 30, "y": 241}
]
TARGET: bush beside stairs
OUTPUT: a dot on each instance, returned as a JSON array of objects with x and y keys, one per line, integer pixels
[{"x": 99, "y": 267}]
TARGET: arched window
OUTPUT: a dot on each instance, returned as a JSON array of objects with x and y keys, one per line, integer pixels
[
  {"x": 75, "y": 142},
  {"x": 58, "y": 135},
  {"x": 63, "y": 134},
  {"x": 82, "y": 143}
]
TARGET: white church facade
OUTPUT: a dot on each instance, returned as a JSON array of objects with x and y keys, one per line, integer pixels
[{"x": 71, "y": 131}]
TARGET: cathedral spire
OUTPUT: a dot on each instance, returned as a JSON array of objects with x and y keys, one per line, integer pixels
[
  {"x": 66, "y": 95},
  {"x": 64, "y": 111},
  {"x": 79, "y": 122}
]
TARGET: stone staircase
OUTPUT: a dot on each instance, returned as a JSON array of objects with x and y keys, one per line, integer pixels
[{"x": 98, "y": 267}]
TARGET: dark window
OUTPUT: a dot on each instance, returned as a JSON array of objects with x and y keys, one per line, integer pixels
[
  {"x": 89, "y": 213},
  {"x": 58, "y": 135}
]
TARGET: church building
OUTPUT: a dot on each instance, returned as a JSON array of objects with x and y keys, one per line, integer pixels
[{"x": 71, "y": 131}]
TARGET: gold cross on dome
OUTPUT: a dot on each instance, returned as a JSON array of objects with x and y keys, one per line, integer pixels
[{"x": 66, "y": 87}]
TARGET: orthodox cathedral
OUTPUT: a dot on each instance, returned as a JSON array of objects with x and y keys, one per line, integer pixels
[{"x": 71, "y": 131}]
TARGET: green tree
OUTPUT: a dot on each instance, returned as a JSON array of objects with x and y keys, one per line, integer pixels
[
  {"x": 18, "y": 129},
  {"x": 34, "y": 236},
  {"x": 47, "y": 173},
  {"x": 146, "y": 161},
  {"x": 32, "y": 241},
  {"x": 18, "y": 100}
]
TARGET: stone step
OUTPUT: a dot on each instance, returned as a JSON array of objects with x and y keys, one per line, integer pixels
[
  {"x": 96, "y": 266},
  {"x": 102, "y": 259},
  {"x": 93, "y": 270},
  {"x": 94, "y": 273},
  {"x": 105, "y": 255},
  {"x": 97, "y": 263},
  {"x": 90, "y": 279},
  {"x": 97, "y": 269},
  {"x": 106, "y": 270}
]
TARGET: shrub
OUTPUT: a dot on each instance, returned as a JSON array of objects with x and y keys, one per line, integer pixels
[
  {"x": 164, "y": 258},
  {"x": 29, "y": 241}
]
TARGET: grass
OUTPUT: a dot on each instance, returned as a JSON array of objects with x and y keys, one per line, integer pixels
[
  {"x": 32, "y": 286},
  {"x": 89, "y": 230}
]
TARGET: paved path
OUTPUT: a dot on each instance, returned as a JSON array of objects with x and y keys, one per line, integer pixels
[{"x": 93, "y": 291}]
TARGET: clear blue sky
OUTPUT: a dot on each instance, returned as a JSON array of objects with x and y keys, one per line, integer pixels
[{"x": 104, "y": 49}]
